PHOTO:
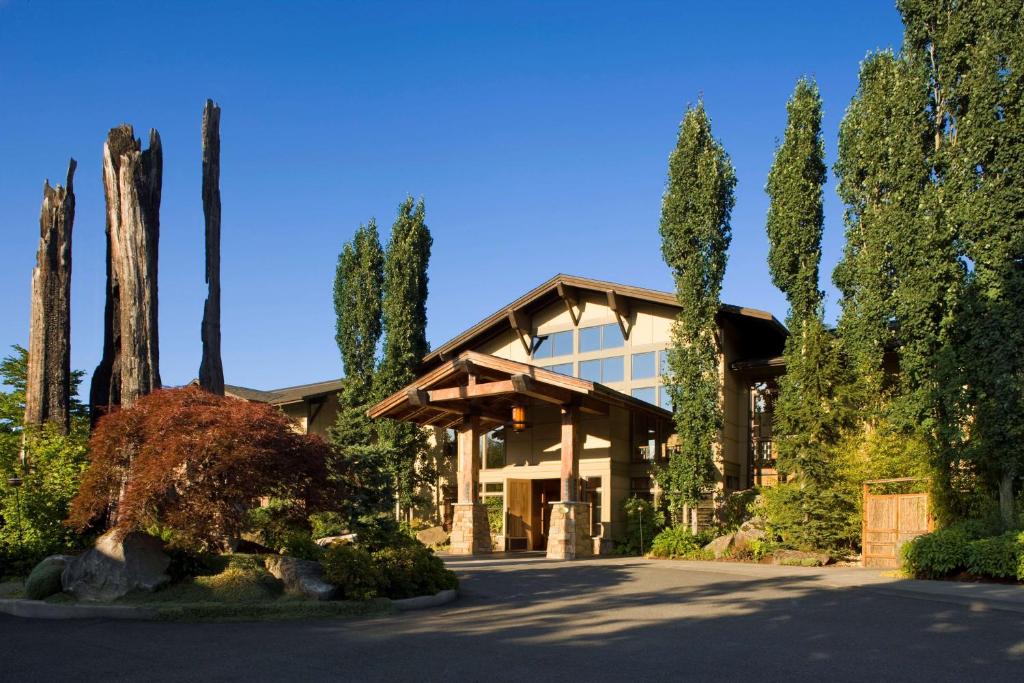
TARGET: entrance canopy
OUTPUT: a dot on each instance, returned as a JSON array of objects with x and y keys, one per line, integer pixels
[{"x": 488, "y": 387}]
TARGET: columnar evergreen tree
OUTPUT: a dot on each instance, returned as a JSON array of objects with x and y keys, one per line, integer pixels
[
  {"x": 405, "y": 340},
  {"x": 358, "y": 287},
  {"x": 809, "y": 414},
  {"x": 695, "y": 237},
  {"x": 973, "y": 60}
]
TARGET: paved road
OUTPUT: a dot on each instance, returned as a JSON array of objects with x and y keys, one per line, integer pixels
[{"x": 528, "y": 619}]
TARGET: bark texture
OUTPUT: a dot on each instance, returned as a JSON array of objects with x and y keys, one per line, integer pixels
[
  {"x": 132, "y": 179},
  {"x": 48, "y": 388},
  {"x": 211, "y": 369}
]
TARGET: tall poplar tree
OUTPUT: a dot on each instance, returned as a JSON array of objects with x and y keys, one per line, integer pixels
[
  {"x": 405, "y": 340},
  {"x": 695, "y": 237},
  {"x": 810, "y": 510},
  {"x": 358, "y": 287},
  {"x": 973, "y": 59}
]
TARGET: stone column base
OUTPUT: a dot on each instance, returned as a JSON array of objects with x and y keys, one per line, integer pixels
[
  {"x": 471, "y": 530},
  {"x": 569, "y": 531}
]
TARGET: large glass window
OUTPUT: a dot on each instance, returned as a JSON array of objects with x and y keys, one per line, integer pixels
[
  {"x": 554, "y": 344},
  {"x": 494, "y": 448},
  {"x": 663, "y": 363},
  {"x": 603, "y": 369},
  {"x": 601, "y": 337},
  {"x": 642, "y": 366},
  {"x": 648, "y": 394},
  {"x": 560, "y": 368}
]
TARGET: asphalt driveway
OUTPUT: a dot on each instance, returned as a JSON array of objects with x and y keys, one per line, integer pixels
[{"x": 527, "y": 619}]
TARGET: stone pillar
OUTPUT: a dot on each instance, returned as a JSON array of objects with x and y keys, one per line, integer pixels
[
  {"x": 471, "y": 531},
  {"x": 569, "y": 531}
]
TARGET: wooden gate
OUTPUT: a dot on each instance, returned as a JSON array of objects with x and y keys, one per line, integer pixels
[
  {"x": 518, "y": 521},
  {"x": 890, "y": 520}
]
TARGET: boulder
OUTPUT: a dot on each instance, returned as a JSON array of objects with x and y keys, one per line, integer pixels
[
  {"x": 434, "y": 536},
  {"x": 44, "y": 580},
  {"x": 328, "y": 541},
  {"x": 721, "y": 545},
  {"x": 800, "y": 558},
  {"x": 304, "y": 577},
  {"x": 743, "y": 538},
  {"x": 752, "y": 523},
  {"x": 115, "y": 567}
]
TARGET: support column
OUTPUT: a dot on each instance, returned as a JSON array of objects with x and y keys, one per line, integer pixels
[
  {"x": 471, "y": 531},
  {"x": 569, "y": 527}
]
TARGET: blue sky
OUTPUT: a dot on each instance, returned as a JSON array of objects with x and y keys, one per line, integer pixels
[{"x": 538, "y": 134}]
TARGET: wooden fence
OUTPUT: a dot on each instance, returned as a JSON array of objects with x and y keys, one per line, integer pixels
[{"x": 890, "y": 520}]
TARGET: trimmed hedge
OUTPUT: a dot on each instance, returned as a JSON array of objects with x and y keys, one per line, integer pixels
[{"x": 956, "y": 549}]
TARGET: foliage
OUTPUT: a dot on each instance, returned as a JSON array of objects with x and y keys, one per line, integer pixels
[
  {"x": 760, "y": 548},
  {"x": 804, "y": 517},
  {"x": 1000, "y": 557},
  {"x": 194, "y": 462},
  {"x": 695, "y": 237},
  {"x": 44, "y": 581},
  {"x": 937, "y": 554},
  {"x": 678, "y": 542},
  {"x": 495, "y": 514},
  {"x": 324, "y": 524},
  {"x": 405, "y": 343},
  {"x": 276, "y": 522},
  {"x": 732, "y": 509},
  {"x": 358, "y": 291},
  {"x": 411, "y": 570},
  {"x": 642, "y": 524},
  {"x": 353, "y": 570},
  {"x": 31, "y": 516},
  {"x": 376, "y": 532}
]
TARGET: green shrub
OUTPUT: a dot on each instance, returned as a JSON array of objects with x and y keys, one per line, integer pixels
[
  {"x": 44, "y": 580},
  {"x": 811, "y": 518},
  {"x": 761, "y": 548},
  {"x": 413, "y": 570},
  {"x": 735, "y": 508},
  {"x": 327, "y": 524},
  {"x": 643, "y": 523},
  {"x": 278, "y": 523},
  {"x": 301, "y": 545},
  {"x": 377, "y": 532},
  {"x": 677, "y": 541},
  {"x": 997, "y": 556},
  {"x": 353, "y": 570},
  {"x": 937, "y": 554}
]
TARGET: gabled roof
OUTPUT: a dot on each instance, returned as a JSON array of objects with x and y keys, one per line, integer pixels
[
  {"x": 442, "y": 396},
  {"x": 562, "y": 286},
  {"x": 277, "y": 397}
]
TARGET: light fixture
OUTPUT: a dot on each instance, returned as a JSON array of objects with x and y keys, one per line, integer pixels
[{"x": 518, "y": 418}]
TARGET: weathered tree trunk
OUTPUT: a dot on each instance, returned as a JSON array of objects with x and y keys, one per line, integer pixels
[
  {"x": 1006, "y": 501},
  {"x": 48, "y": 390},
  {"x": 132, "y": 184},
  {"x": 211, "y": 369}
]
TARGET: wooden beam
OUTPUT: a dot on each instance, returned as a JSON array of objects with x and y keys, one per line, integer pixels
[
  {"x": 468, "y": 472},
  {"x": 472, "y": 391},
  {"x": 418, "y": 397},
  {"x": 522, "y": 326},
  {"x": 570, "y": 455},
  {"x": 620, "y": 306},
  {"x": 570, "y": 296}
]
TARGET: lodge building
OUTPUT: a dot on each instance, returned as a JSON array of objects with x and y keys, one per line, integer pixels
[{"x": 557, "y": 406}]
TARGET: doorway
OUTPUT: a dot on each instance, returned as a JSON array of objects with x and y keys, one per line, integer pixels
[{"x": 545, "y": 492}]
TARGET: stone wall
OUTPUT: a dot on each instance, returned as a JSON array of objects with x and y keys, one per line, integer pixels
[
  {"x": 569, "y": 531},
  {"x": 471, "y": 532}
]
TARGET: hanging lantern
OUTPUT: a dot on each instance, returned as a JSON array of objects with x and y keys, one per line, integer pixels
[{"x": 518, "y": 418}]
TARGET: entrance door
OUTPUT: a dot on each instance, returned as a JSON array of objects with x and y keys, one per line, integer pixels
[
  {"x": 545, "y": 492},
  {"x": 518, "y": 525}
]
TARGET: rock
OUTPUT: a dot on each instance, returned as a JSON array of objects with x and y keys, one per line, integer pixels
[
  {"x": 721, "y": 545},
  {"x": 743, "y": 538},
  {"x": 752, "y": 523},
  {"x": 434, "y": 536},
  {"x": 800, "y": 558},
  {"x": 301, "y": 576},
  {"x": 116, "y": 567},
  {"x": 328, "y": 541},
  {"x": 44, "y": 580}
]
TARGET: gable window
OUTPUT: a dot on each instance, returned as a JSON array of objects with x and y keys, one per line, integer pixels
[
  {"x": 642, "y": 366},
  {"x": 603, "y": 369},
  {"x": 560, "y": 368},
  {"x": 601, "y": 337},
  {"x": 552, "y": 345}
]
